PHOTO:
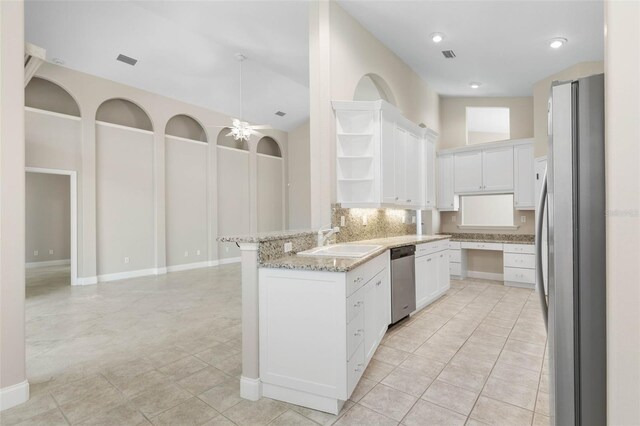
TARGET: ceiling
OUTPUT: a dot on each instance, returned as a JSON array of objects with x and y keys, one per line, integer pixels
[
  {"x": 186, "y": 50},
  {"x": 502, "y": 44}
]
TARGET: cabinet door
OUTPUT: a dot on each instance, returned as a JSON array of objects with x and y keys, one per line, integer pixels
[
  {"x": 430, "y": 175},
  {"x": 432, "y": 276},
  {"x": 383, "y": 304},
  {"x": 388, "y": 159},
  {"x": 412, "y": 178},
  {"x": 370, "y": 319},
  {"x": 497, "y": 169},
  {"x": 400, "y": 138},
  {"x": 444, "y": 279},
  {"x": 524, "y": 177},
  {"x": 422, "y": 278},
  {"x": 446, "y": 197},
  {"x": 468, "y": 172}
]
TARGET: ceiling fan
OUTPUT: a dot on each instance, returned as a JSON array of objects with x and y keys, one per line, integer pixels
[{"x": 242, "y": 130}]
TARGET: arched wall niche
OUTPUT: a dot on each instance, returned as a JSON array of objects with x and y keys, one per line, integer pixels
[
  {"x": 49, "y": 96},
  {"x": 229, "y": 142},
  {"x": 184, "y": 126},
  {"x": 124, "y": 113},
  {"x": 269, "y": 146},
  {"x": 372, "y": 87}
]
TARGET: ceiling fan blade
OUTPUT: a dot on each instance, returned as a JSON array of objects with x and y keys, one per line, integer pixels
[{"x": 262, "y": 127}]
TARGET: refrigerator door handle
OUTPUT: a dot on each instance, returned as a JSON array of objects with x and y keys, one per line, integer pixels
[{"x": 539, "y": 271}]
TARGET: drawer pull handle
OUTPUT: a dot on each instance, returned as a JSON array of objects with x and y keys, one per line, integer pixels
[
  {"x": 357, "y": 333},
  {"x": 357, "y": 304}
]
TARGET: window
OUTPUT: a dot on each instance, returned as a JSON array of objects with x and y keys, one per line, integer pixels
[
  {"x": 487, "y": 124},
  {"x": 487, "y": 210}
]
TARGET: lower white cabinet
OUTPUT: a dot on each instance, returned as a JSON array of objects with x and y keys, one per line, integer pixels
[
  {"x": 432, "y": 272},
  {"x": 319, "y": 330}
]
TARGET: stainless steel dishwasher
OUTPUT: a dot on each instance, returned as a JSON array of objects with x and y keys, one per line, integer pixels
[{"x": 403, "y": 282}]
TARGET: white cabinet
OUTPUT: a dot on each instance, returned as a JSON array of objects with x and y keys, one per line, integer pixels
[
  {"x": 377, "y": 310},
  {"x": 380, "y": 156},
  {"x": 447, "y": 200},
  {"x": 432, "y": 272},
  {"x": 524, "y": 185},
  {"x": 430, "y": 174},
  {"x": 467, "y": 172},
  {"x": 497, "y": 169}
]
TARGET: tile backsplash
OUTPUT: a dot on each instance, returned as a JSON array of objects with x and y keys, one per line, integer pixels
[{"x": 365, "y": 224}]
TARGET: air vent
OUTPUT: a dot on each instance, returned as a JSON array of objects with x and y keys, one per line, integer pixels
[
  {"x": 281, "y": 114},
  {"x": 126, "y": 59},
  {"x": 448, "y": 54}
]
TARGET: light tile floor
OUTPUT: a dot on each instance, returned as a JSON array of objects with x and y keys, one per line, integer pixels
[{"x": 166, "y": 350}]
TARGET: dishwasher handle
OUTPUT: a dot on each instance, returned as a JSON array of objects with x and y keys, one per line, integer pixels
[{"x": 404, "y": 251}]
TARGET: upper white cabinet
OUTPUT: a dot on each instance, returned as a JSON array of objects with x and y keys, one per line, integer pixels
[
  {"x": 493, "y": 168},
  {"x": 430, "y": 171},
  {"x": 497, "y": 169},
  {"x": 447, "y": 199},
  {"x": 524, "y": 191},
  {"x": 468, "y": 172},
  {"x": 381, "y": 157}
]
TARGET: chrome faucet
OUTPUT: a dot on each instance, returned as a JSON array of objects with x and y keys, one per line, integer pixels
[{"x": 325, "y": 233}]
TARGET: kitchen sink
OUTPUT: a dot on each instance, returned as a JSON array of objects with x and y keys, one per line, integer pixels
[{"x": 342, "y": 250}]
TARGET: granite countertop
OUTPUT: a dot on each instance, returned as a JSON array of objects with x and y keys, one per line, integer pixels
[
  {"x": 494, "y": 238},
  {"x": 335, "y": 264},
  {"x": 260, "y": 237}
]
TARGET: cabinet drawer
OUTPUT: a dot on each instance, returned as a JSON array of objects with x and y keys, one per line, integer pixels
[
  {"x": 362, "y": 274},
  {"x": 355, "y": 368},
  {"x": 454, "y": 256},
  {"x": 355, "y": 305},
  {"x": 481, "y": 246},
  {"x": 455, "y": 269},
  {"x": 514, "y": 260},
  {"x": 454, "y": 245},
  {"x": 520, "y": 248},
  {"x": 434, "y": 247},
  {"x": 520, "y": 275},
  {"x": 355, "y": 334}
]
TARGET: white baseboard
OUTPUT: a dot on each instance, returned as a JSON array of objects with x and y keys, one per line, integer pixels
[
  {"x": 225, "y": 261},
  {"x": 485, "y": 275},
  {"x": 188, "y": 266},
  {"x": 87, "y": 280},
  {"x": 127, "y": 274},
  {"x": 250, "y": 389},
  {"x": 60, "y": 262},
  {"x": 520, "y": 285},
  {"x": 14, "y": 395}
]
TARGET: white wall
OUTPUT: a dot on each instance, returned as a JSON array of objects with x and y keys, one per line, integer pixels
[
  {"x": 186, "y": 179},
  {"x": 48, "y": 217},
  {"x": 270, "y": 193},
  {"x": 622, "y": 76},
  {"x": 299, "y": 178}
]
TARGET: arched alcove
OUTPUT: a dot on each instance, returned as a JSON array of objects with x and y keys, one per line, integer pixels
[
  {"x": 372, "y": 87},
  {"x": 229, "y": 142},
  {"x": 124, "y": 113},
  {"x": 46, "y": 95},
  {"x": 183, "y": 126},
  {"x": 268, "y": 146}
]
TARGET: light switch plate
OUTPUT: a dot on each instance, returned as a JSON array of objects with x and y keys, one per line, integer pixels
[
  {"x": 35, "y": 252},
  {"x": 413, "y": 219},
  {"x": 288, "y": 247},
  {"x": 198, "y": 252},
  {"x": 126, "y": 260},
  {"x": 186, "y": 254},
  {"x": 523, "y": 219},
  {"x": 342, "y": 221},
  {"x": 50, "y": 251}
]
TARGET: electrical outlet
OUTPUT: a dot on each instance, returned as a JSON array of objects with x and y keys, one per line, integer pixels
[
  {"x": 342, "y": 221},
  {"x": 126, "y": 260},
  {"x": 364, "y": 220},
  {"x": 413, "y": 219},
  {"x": 50, "y": 251},
  {"x": 197, "y": 252},
  {"x": 404, "y": 219},
  {"x": 186, "y": 254},
  {"x": 35, "y": 252},
  {"x": 523, "y": 219},
  {"x": 288, "y": 247},
  {"x": 454, "y": 218}
]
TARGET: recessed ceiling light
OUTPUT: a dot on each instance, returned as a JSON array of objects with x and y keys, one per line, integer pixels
[
  {"x": 557, "y": 42},
  {"x": 474, "y": 85},
  {"x": 437, "y": 37}
]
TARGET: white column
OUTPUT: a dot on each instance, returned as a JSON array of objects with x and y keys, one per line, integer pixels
[{"x": 250, "y": 386}]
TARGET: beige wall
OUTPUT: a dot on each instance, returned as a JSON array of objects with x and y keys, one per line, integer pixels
[
  {"x": 341, "y": 52},
  {"x": 299, "y": 178},
  {"x": 541, "y": 91},
  {"x": 12, "y": 202},
  {"x": 73, "y": 143},
  {"x": 453, "y": 116},
  {"x": 48, "y": 217},
  {"x": 270, "y": 193},
  {"x": 622, "y": 76}
]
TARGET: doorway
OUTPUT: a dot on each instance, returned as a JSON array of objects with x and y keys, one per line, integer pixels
[{"x": 51, "y": 224}]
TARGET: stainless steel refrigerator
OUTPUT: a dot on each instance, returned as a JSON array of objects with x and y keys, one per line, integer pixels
[{"x": 575, "y": 203}]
